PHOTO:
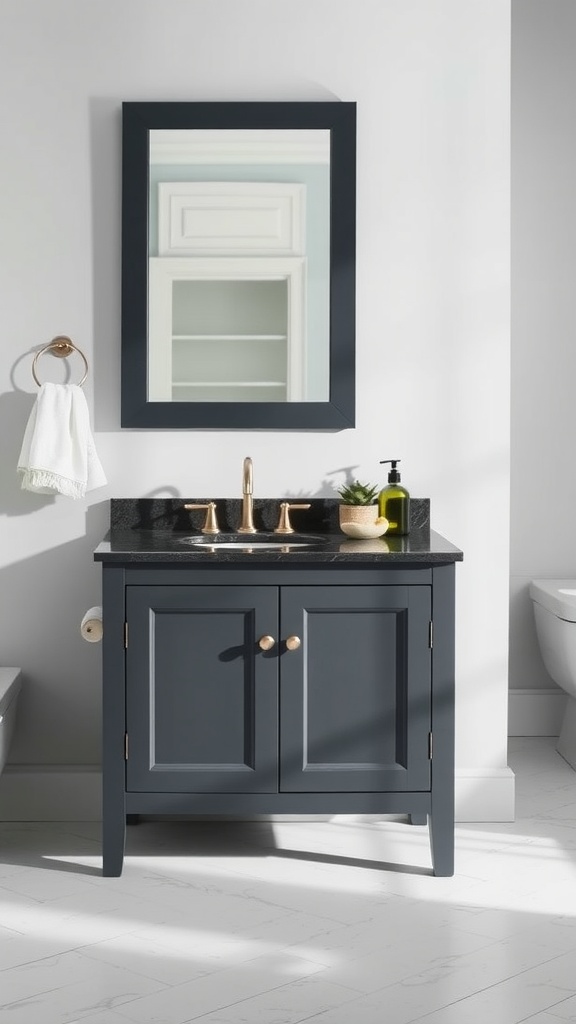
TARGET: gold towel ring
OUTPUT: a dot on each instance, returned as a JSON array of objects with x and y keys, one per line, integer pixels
[{"x": 61, "y": 347}]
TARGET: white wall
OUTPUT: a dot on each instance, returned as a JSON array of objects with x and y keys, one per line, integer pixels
[
  {"x": 543, "y": 478},
  {"x": 431, "y": 79}
]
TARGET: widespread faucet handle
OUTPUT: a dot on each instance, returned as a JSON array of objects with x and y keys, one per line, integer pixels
[
  {"x": 284, "y": 524},
  {"x": 210, "y": 523}
]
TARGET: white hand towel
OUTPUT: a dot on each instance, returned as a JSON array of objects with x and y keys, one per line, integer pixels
[{"x": 58, "y": 452}]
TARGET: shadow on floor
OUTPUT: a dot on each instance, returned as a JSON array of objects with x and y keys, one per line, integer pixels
[{"x": 62, "y": 846}]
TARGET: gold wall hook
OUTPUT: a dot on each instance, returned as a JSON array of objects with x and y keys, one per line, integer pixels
[{"x": 60, "y": 346}]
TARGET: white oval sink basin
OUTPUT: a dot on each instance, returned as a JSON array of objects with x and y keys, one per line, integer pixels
[{"x": 256, "y": 541}]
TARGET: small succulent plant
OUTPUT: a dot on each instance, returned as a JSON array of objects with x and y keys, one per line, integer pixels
[{"x": 358, "y": 494}]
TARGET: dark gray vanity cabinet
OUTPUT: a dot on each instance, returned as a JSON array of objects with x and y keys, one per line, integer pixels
[
  {"x": 209, "y": 711},
  {"x": 212, "y": 706}
]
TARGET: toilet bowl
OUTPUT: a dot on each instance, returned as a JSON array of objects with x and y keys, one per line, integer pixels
[
  {"x": 554, "y": 603},
  {"x": 9, "y": 690}
]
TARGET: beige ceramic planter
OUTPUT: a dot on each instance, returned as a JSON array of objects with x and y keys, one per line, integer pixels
[{"x": 361, "y": 521}]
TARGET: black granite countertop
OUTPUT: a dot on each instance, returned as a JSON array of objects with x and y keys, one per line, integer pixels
[{"x": 160, "y": 530}]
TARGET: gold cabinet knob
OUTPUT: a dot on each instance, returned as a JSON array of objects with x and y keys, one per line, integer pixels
[
  {"x": 293, "y": 643},
  {"x": 266, "y": 643}
]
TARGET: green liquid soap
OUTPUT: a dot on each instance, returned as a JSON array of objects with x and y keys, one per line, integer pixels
[{"x": 394, "y": 503}]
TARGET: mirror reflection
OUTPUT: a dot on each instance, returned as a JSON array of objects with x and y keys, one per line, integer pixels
[{"x": 239, "y": 265}]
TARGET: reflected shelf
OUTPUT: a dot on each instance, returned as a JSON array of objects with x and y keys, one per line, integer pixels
[
  {"x": 229, "y": 384},
  {"x": 229, "y": 337}
]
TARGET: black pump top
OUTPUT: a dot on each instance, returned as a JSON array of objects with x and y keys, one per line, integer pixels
[{"x": 393, "y": 475}]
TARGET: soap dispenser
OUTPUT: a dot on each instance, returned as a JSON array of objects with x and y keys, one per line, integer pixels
[{"x": 394, "y": 502}]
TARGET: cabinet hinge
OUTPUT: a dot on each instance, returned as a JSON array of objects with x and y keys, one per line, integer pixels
[
  {"x": 429, "y": 746},
  {"x": 430, "y": 634},
  {"x": 125, "y": 746},
  {"x": 125, "y": 635}
]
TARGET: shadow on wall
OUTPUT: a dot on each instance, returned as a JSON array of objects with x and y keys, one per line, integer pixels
[
  {"x": 105, "y": 180},
  {"x": 45, "y": 597}
]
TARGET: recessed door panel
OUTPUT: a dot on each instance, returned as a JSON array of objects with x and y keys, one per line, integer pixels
[
  {"x": 201, "y": 694},
  {"x": 355, "y": 696}
]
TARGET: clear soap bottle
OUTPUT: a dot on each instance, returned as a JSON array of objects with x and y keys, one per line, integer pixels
[{"x": 394, "y": 502}]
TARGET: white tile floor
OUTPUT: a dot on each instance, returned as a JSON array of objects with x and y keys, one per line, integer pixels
[{"x": 329, "y": 923}]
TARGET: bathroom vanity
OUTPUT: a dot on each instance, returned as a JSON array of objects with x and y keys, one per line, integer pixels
[{"x": 304, "y": 675}]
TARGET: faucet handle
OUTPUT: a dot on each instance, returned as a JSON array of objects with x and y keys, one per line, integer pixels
[
  {"x": 210, "y": 523},
  {"x": 284, "y": 524}
]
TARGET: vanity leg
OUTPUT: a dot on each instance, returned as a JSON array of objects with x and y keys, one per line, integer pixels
[
  {"x": 113, "y": 840},
  {"x": 419, "y": 819},
  {"x": 113, "y": 721},
  {"x": 441, "y": 825}
]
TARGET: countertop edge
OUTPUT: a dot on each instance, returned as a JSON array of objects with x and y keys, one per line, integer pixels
[{"x": 420, "y": 547}]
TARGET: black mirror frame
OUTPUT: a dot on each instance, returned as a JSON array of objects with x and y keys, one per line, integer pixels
[{"x": 339, "y": 411}]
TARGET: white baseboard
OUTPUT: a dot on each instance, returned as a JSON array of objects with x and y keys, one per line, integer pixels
[
  {"x": 73, "y": 793},
  {"x": 535, "y": 712},
  {"x": 484, "y": 794}
]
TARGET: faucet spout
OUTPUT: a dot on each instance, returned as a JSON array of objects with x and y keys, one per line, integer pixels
[
  {"x": 247, "y": 523},
  {"x": 247, "y": 476}
]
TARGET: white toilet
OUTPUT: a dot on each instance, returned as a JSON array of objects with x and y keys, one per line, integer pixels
[{"x": 554, "y": 603}]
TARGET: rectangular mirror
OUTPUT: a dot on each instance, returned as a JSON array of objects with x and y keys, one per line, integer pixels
[{"x": 238, "y": 265}]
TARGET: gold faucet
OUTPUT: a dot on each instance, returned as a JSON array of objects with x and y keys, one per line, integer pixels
[{"x": 247, "y": 524}]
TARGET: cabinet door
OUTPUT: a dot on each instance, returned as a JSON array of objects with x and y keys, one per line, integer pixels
[
  {"x": 202, "y": 698},
  {"x": 355, "y": 696}
]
